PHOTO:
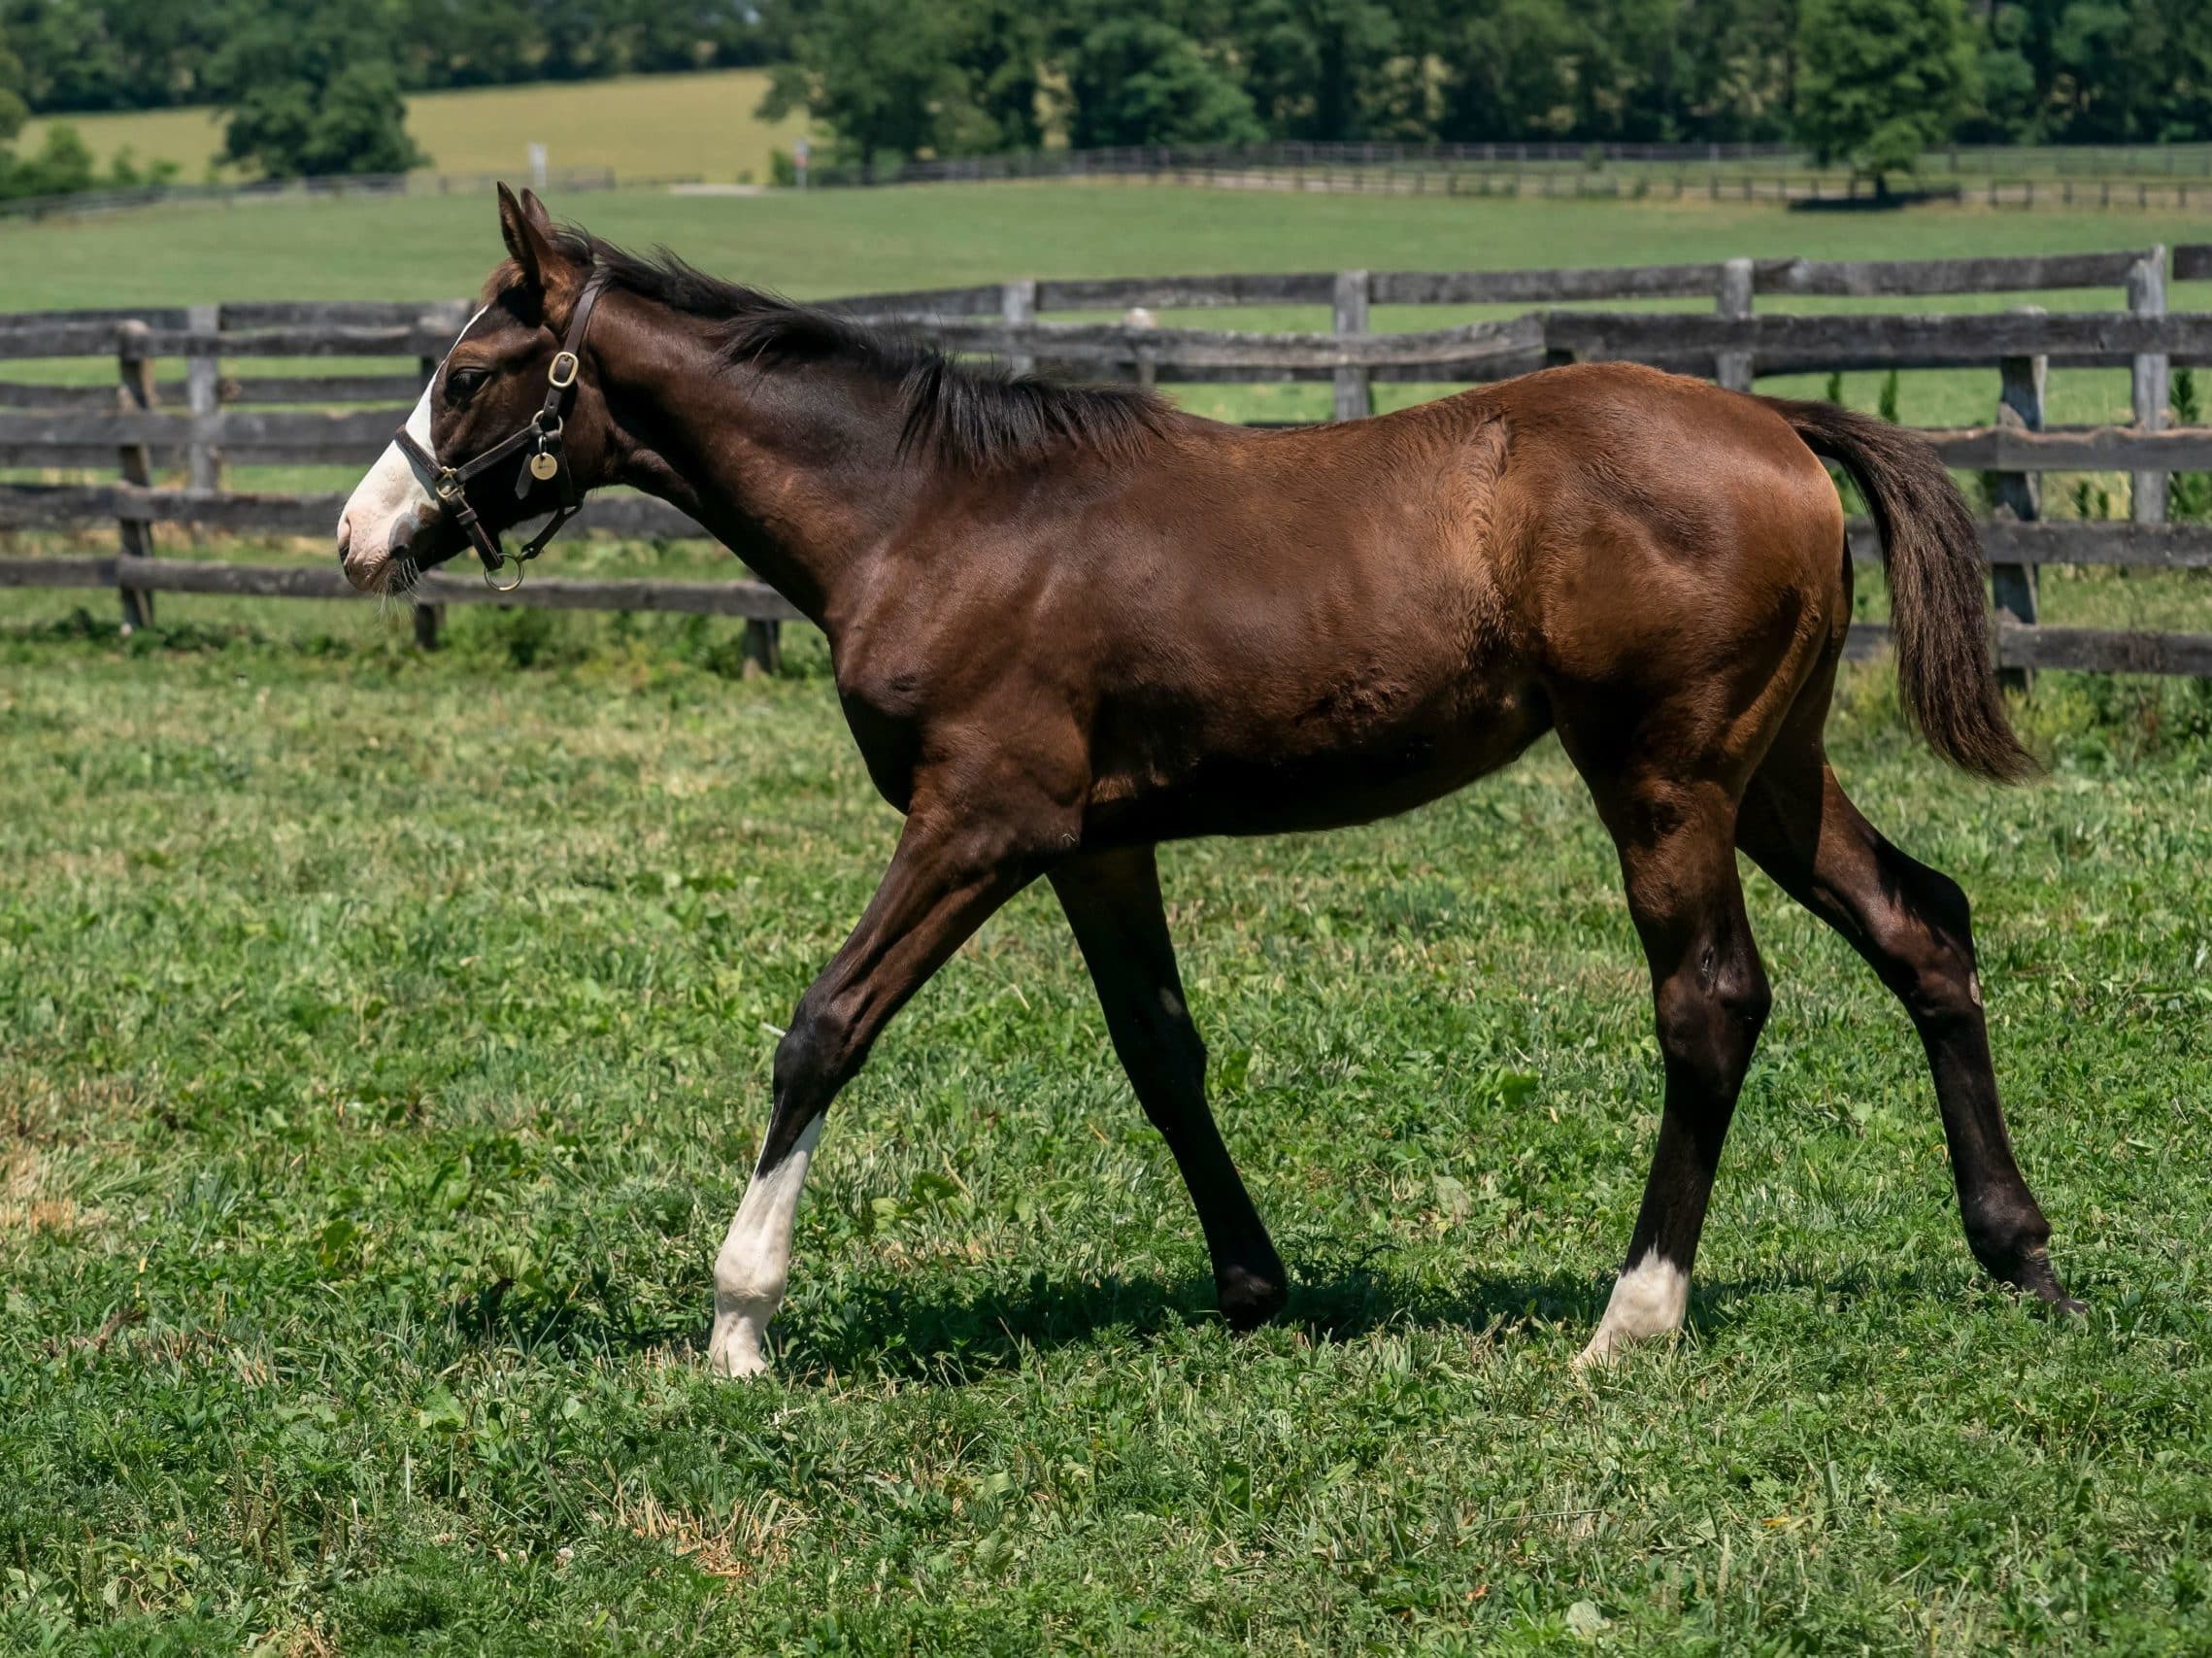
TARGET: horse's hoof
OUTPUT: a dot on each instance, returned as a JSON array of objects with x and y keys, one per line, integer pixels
[
  {"x": 1247, "y": 1299},
  {"x": 736, "y": 1355},
  {"x": 2035, "y": 1277}
]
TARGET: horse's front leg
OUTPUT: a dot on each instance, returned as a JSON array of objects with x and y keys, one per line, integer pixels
[{"x": 946, "y": 878}]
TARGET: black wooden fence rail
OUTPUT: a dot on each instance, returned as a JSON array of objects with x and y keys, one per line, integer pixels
[{"x": 288, "y": 418}]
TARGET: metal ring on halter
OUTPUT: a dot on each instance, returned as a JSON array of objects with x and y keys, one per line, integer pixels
[{"x": 514, "y": 565}]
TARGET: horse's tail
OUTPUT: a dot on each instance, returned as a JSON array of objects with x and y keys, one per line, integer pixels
[{"x": 1939, "y": 618}]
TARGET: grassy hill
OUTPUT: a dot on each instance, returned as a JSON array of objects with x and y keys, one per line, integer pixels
[{"x": 641, "y": 125}]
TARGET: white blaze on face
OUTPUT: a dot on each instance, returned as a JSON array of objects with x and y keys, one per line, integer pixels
[{"x": 393, "y": 497}]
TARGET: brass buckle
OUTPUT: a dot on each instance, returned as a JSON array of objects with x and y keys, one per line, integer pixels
[{"x": 554, "y": 375}]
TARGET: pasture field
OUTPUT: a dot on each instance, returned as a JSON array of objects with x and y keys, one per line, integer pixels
[
  {"x": 644, "y": 126},
  {"x": 386, "y": 1039},
  {"x": 383, "y": 1040}
]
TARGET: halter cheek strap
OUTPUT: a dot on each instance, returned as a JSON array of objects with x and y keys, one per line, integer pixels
[{"x": 547, "y": 458}]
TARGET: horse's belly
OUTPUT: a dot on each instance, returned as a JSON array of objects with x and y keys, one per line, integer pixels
[{"x": 1308, "y": 779}]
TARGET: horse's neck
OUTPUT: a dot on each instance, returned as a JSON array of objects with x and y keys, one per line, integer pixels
[{"x": 798, "y": 469}]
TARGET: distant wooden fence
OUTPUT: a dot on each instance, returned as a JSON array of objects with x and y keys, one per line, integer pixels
[
  {"x": 208, "y": 420},
  {"x": 2172, "y": 177}
]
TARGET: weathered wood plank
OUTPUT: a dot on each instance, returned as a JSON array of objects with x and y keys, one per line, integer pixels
[
  {"x": 979, "y": 301},
  {"x": 304, "y": 390},
  {"x": 2095, "y": 650},
  {"x": 1112, "y": 345},
  {"x": 361, "y": 432},
  {"x": 2077, "y": 649},
  {"x": 2072, "y": 541},
  {"x": 1781, "y": 343},
  {"x": 1544, "y": 287},
  {"x": 2097, "y": 449},
  {"x": 252, "y": 314},
  {"x": 397, "y": 392},
  {"x": 136, "y": 537},
  {"x": 749, "y": 599},
  {"x": 2003, "y": 274},
  {"x": 65, "y": 506},
  {"x": 2193, "y": 262}
]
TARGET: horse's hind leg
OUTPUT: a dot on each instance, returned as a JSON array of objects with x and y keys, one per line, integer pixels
[
  {"x": 1113, "y": 902},
  {"x": 1677, "y": 847},
  {"x": 1911, "y": 925}
]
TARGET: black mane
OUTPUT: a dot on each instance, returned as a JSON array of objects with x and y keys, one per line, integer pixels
[{"x": 983, "y": 418}]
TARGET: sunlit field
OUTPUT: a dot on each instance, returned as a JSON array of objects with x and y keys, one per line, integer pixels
[{"x": 642, "y": 126}]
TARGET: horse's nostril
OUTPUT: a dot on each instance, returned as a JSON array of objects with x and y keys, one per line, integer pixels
[{"x": 344, "y": 536}]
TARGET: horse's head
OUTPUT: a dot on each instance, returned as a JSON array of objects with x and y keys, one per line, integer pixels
[{"x": 509, "y": 395}]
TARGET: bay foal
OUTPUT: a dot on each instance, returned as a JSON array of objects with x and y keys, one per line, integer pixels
[{"x": 1070, "y": 624}]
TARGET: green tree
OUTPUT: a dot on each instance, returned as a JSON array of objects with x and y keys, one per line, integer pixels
[
  {"x": 1326, "y": 69},
  {"x": 891, "y": 80},
  {"x": 1880, "y": 80},
  {"x": 1514, "y": 69},
  {"x": 1138, "y": 81},
  {"x": 315, "y": 95}
]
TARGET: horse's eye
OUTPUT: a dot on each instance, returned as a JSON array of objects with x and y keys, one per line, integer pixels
[{"x": 461, "y": 382}]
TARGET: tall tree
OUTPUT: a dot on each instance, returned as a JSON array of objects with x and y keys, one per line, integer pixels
[
  {"x": 1139, "y": 81},
  {"x": 1880, "y": 80},
  {"x": 314, "y": 94}
]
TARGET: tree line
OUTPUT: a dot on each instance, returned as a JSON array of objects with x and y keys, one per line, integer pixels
[
  {"x": 320, "y": 86},
  {"x": 80, "y": 56},
  {"x": 1859, "y": 79}
]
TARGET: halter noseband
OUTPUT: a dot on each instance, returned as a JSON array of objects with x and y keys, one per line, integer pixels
[{"x": 542, "y": 437}]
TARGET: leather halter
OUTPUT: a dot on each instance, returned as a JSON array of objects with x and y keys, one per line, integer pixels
[{"x": 541, "y": 437}]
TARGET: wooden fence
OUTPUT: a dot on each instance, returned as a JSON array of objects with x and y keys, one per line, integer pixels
[{"x": 197, "y": 424}]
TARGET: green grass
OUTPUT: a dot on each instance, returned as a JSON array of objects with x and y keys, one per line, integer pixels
[
  {"x": 644, "y": 126},
  {"x": 386, "y": 1039}
]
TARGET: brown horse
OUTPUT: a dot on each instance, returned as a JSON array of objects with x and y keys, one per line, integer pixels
[{"x": 1069, "y": 623}]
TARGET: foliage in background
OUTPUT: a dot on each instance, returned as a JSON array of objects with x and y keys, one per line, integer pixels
[
  {"x": 1880, "y": 80},
  {"x": 897, "y": 80},
  {"x": 1872, "y": 79},
  {"x": 1135, "y": 80},
  {"x": 61, "y": 165},
  {"x": 313, "y": 94},
  {"x": 2190, "y": 495},
  {"x": 962, "y": 76},
  {"x": 128, "y": 55}
]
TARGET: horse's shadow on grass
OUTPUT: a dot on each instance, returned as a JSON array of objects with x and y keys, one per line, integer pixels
[
  {"x": 951, "y": 1329},
  {"x": 956, "y": 1326}
]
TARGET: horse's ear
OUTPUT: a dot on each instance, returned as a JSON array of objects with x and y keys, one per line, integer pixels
[{"x": 528, "y": 232}]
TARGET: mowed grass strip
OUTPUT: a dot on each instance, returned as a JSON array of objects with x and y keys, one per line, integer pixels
[{"x": 388, "y": 1038}]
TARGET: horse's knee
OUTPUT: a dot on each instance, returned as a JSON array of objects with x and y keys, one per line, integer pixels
[{"x": 1711, "y": 1011}]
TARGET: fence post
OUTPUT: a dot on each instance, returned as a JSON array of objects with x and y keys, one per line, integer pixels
[
  {"x": 134, "y": 366},
  {"x": 2147, "y": 297},
  {"x": 1732, "y": 369},
  {"x": 1354, "y": 394},
  {"x": 430, "y": 619},
  {"x": 1018, "y": 305},
  {"x": 2017, "y": 496},
  {"x": 203, "y": 395}
]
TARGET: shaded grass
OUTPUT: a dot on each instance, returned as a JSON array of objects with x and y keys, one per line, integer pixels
[{"x": 388, "y": 1036}]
